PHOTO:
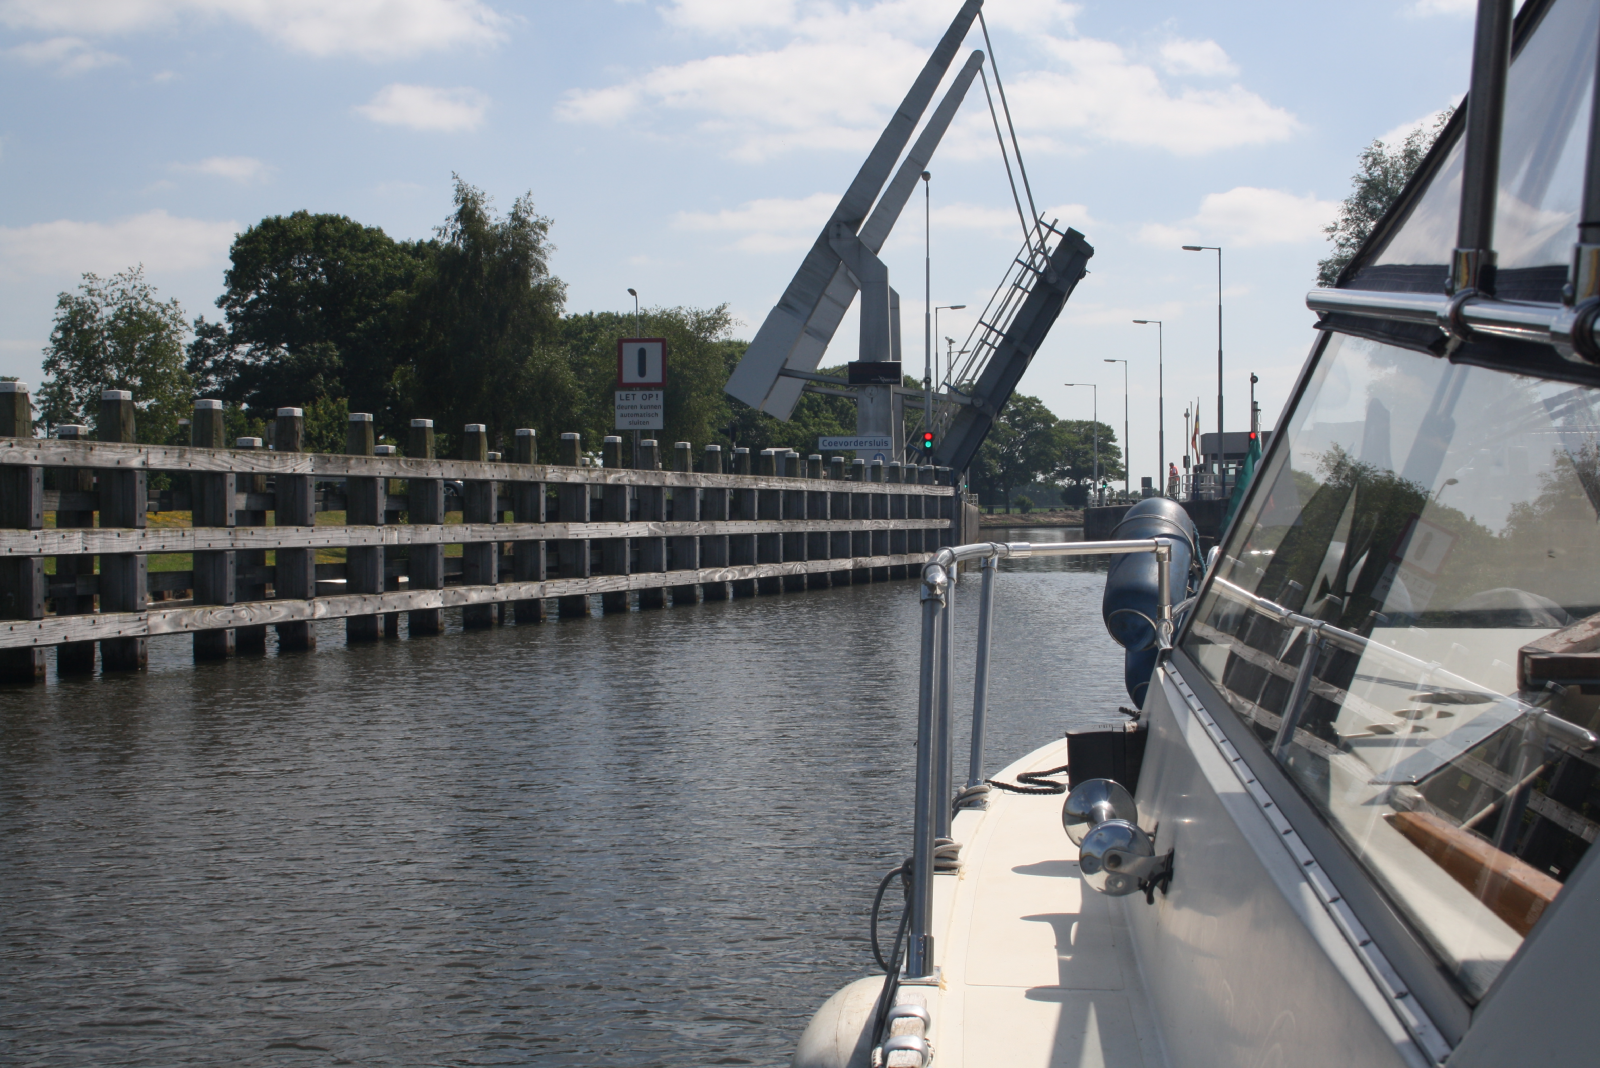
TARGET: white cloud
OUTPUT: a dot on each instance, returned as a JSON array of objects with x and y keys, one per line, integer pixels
[
  {"x": 1423, "y": 8},
  {"x": 771, "y": 224},
  {"x": 823, "y": 75},
  {"x": 1246, "y": 216},
  {"x": 1197, "y": 57},
  {"x": 375, "y": 29},
  {"x": 241, "y": 169},
  {"x": 160, "y": 241},
  {"x": 424, "y": 107},
  {"x": 1097, "y": 91},
  {"x": 69, "y": 55}
]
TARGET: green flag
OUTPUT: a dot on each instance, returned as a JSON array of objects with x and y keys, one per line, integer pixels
[{"x": 1251, "y": 458}]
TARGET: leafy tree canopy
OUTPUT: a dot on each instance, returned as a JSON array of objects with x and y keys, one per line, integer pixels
[
  {"x": 1381, "y": 173},
  {"x": 315, "y": 307},
  {"x": 485, "y": 322},
  {"x": 116, "y": 333}
]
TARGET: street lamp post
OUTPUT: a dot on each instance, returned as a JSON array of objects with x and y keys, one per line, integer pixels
[
  {"x": 927, "y": 302},
  {"x": 1161, "y": 400},
  {"x": 1127, "y": 445},
  {"x": 1218, "y": 251},
  {"x": 1091, "y": 385}
]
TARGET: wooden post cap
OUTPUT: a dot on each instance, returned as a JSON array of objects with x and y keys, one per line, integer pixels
[
  {"x": 72, "y": 430},
  {"x": 361, "y": 417},
  {"x": 571, "y": 450},
  {"x": 116, "y": 394},
  {"x": 291, "y": 413},
  {"x": 428, "y": 424},
  {"x": 13, "y": 387},
  {"x": 384, "y": 450},
  {"x": 247, "y": 443},
  {"x": 494, "y": 457},
  {"x": 206, "y": 404}
]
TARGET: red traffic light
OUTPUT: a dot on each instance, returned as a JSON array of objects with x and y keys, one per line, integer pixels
[{"x": 927, "y": 439}]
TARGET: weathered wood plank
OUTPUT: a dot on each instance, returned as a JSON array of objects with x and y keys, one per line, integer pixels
[
  {"x": 221, "y": 539},
  {"x": 54, "y": 630},
  {"x": 53, "y": 452}
]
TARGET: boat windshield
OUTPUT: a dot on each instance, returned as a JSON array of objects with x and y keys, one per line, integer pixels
[{"x": 1407, "y": 616}]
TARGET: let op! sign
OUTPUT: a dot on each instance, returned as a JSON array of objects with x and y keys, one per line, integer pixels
[{"x": 641, "y": 381}]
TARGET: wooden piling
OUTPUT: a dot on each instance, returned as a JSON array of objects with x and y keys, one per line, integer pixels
[
  {"x": 22, "y": 579},
  {"x": 527, "y": 506},
  {"x": 364, "y": 501},
  {"x": 943, "y": 476},
  {"x": 769, "y": 506},
  {"x": 615, "y": 505},
  {"x": 78, "y": 504},
  {"x": 895, "y": 473},
  {"x": 124, "y": 582},
  {"x": 714, "y": 508},
  {"x": 572, "y": 506},
  {"x": 424, "y": 504},
  {"x": 395, "y": 564},
  {"x": 480, "y": 561},
  {"x": 839, "y": 543},
  {"x": 817, "y": 547},
  {"x": 650, "y": 554},
  {"x": 742, "y": 547},
  {"x": 211, "y": 501},
  {"x": 295, "y": 576},
  {"x": 250, "y": 565},
  {"x": 860, "y": 508},
  {"x": 878, "y": 475},
  {"x": 795, "y": 507},
  {"x": 684, "y": 552}
]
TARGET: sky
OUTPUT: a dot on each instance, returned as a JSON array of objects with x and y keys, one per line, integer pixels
[{"x": 693, "y": 149}]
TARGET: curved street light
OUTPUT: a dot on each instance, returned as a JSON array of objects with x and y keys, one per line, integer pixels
[
  {"x": 1218, "y": 250},
  {"x": 1096, "y": 484},
  {"x": 1127, "y": 446}
]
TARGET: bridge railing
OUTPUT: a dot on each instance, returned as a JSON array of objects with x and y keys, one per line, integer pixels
[{"x": 498, "y": 537}]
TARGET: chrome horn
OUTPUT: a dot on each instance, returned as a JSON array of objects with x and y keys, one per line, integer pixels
[{"x": 1115, "y": 855}]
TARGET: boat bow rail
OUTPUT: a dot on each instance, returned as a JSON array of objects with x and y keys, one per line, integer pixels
[{"x": 934, "y": 789}]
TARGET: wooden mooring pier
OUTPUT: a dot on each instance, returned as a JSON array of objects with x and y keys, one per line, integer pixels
[{"x": 530, "y": 533}]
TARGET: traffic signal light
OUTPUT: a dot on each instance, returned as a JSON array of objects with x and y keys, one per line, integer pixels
[{"x": 927, "y": 440}]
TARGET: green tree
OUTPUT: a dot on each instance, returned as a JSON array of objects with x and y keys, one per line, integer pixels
[
  {"x": 697, "y": 367},
  {"x": 1023, "y": 444},
  {"x": 487, "y": 319},
  {"x": 1074, "y": 466},
  {"x": 1381, "y": 173},
  {"x": 117, "y": 333},
  {"x": 315, "y": 307}
]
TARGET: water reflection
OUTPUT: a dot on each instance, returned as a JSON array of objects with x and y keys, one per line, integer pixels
[{"x": 638, "y": 840}]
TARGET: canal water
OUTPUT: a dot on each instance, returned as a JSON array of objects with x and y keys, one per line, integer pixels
[{"x": 644, "y": 839}]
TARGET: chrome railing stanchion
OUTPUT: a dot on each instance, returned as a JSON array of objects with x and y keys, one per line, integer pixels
[
  {"x": 980, "y": 671},
  {"x": 944, "y": 783},
  {"x": 919, "y": 948}
]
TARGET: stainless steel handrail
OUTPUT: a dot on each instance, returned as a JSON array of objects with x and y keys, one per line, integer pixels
[
  {"x": 1572, "y": 331},
  {"x": 1431, "y": 671},
  {"x": 934, "y": 777}
]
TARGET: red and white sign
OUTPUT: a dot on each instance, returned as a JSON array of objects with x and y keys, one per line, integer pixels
[{"x": 642, "y": 362}]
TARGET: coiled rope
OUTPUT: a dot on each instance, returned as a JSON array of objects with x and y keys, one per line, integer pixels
[{"x": 1037, "y": 782}]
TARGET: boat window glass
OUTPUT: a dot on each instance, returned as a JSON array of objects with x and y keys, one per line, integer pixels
[
  {"x": 1433, "y": 529},
  {"x": 1541, "y": 163}
]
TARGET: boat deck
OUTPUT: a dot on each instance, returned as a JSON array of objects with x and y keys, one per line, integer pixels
[{"x": 1036, "y": 968}]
